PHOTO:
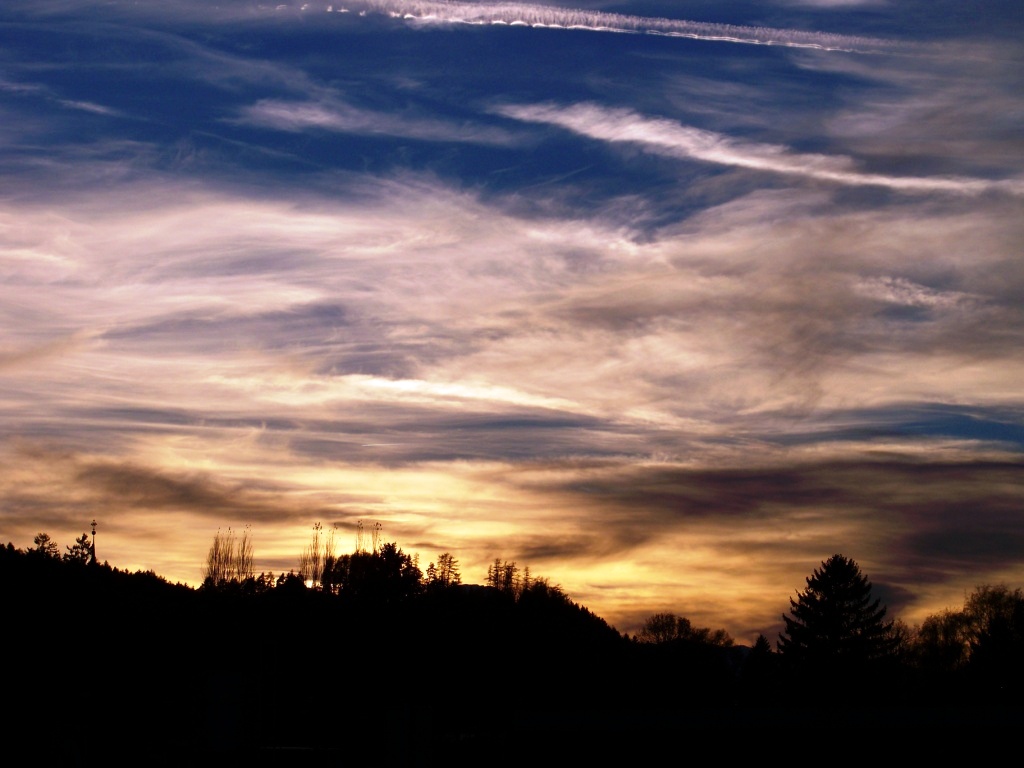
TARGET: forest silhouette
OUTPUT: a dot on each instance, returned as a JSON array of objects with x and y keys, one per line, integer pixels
[{"x": 364, "y": 659}]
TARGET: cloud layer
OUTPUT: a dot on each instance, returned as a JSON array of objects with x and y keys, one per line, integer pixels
[{"x": 668, "y": 320}]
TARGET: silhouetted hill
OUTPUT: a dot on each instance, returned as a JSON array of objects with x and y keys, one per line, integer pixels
[{"x": 109, "y": 667}]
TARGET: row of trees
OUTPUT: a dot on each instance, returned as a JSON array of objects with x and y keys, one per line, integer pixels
[
  {"x": 493, "y": 674},
  {"x": 83, "y": 551},
  {"x": 836, "y": 632},
  {"x": 667, "y": 627},
  {"x": 838, "y": 639},
  {"x": 835, "y": 626},
  {"x": 381, "y": 572}
]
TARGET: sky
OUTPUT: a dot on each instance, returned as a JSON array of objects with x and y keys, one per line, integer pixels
[{"x": 666, "y": 301}]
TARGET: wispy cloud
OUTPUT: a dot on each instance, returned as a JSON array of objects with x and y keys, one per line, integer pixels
[
  {"x": 547, "y": 16},
  {"x": 673, "y": 139},
  {"x": 26, "y": 89},
  {"x": 675, "y": 308},
  {"x": 335, "y": 115},
  {"x": 428, "y": 12}
]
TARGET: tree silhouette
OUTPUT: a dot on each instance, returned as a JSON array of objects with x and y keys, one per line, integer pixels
[
  {"x": 385, "y": 575},
  {"x": 311, "y": 561},
  {"x": 229, "y": 559},
  {"x": 980, "y": 646},
  {"x": 659, "y": 628},
  {"x": 529, "y": 655},
  {"x": 758, "y": 676},
  {"x": 997, "y": 650},
  {"x": 836, "y": 633},
  {"x": 81, "y": 552},
  {"x": 45, "y": 546},
  {"x": 668, "y": 627},
  {"x": 445, "y": 573},
  {"x": 503, "y": 576}
]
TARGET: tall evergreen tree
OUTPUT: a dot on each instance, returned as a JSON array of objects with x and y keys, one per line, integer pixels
[{"x": 835, "y": 626}]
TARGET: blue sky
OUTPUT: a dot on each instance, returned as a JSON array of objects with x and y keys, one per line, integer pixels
[{"x": 667, "y": 301}]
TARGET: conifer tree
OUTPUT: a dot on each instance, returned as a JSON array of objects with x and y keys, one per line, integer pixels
[
  {"x": 835, "y": 625},
  {"x": 81, "y": 552}
]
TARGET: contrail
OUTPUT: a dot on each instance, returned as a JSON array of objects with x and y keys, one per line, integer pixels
[
  {"x": 673, "y": 139},
  {"x": 520, "y": 14}
]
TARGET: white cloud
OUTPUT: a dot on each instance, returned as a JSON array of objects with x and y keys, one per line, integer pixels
[
  {"x": 898, "y": 290},
  {"x": 425, "y": 11},
  {"x": 334, "y": 115},
  {"x": 676, "y": 140}
]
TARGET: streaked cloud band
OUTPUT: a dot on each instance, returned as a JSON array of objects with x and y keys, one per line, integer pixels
[
  {"x": 676, "y": 140},
  {"x": 544, "y": 16}
]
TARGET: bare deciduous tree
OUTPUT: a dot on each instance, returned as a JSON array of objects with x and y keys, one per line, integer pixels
[{"x": 229, "y": 560}]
